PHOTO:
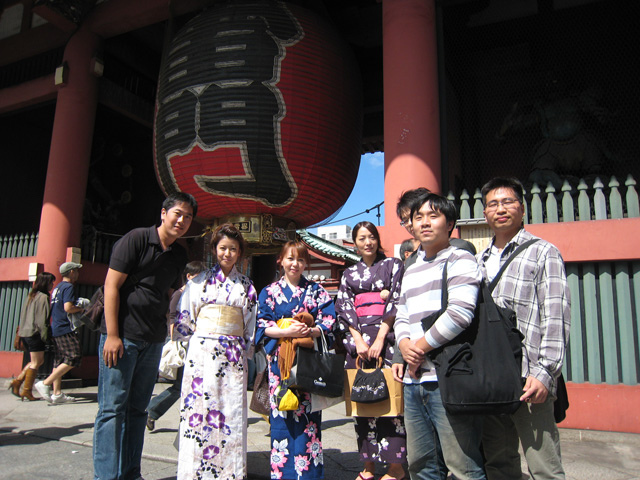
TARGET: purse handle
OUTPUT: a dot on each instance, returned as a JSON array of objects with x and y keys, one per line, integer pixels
[
  {"x": 323, "y": 343},
  {"x": 359, "y": 364}
]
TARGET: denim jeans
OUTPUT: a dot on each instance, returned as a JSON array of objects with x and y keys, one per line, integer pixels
[
  {"x": 427, "y": 422},
  {"x": 123, "y": 395},
  {"x": 159, "y": 404}
]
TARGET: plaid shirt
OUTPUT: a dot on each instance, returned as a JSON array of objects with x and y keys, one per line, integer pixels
[{"x": 535, "y": 287}]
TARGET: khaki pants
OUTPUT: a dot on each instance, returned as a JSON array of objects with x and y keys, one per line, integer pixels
[{"x": 534, "y": 427}]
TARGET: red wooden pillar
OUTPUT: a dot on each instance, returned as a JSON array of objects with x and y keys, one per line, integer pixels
[
  {"x": 411, "y": 118},
  {"x": 68, "y": 169}
]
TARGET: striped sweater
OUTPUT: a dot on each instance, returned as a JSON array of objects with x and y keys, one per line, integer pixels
[{"x": 420, "y": 296}]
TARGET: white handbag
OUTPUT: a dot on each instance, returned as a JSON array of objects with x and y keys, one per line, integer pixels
[{"x": 173, "y": 356}]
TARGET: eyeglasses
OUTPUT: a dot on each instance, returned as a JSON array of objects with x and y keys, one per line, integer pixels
[
  {"x": 505, "y": 202},
  {"x": 404, "y": 223}
]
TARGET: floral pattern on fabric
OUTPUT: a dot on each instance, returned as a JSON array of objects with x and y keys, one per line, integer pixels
[
  {"x": 296, "y": 443},
  {"x": 380, "y": 439},
  {"x": 385, "y": 274},
  {"x": 213, "y": 424}
]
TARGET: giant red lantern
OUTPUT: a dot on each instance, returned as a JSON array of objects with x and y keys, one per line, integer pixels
[{"x": 259, "y": 112}]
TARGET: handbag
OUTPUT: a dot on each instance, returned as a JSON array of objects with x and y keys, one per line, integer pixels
[
  {"x": 286, "y": 398},
  {"x": 369, "y": 386},
  {"x": 391, "y": 407},
  {"x": 92, "y": 315},
  {"x": 561, "y": 403},
  {"x": 319, "y": 371},
  {"x": 320, "y": 402},
  {"x": 260, "y": 396},
  {"x": 479, "y": 372},
  {"x": 18, "y": 344},
  {"x": 289, "y": 401},
  {"x": 173, "y": 356}
]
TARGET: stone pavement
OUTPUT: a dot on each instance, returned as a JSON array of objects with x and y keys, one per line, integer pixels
[{"x": 54, "y": 442}]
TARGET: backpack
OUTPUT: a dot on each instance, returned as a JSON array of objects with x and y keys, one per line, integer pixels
[{"x": 480, "y": 371}]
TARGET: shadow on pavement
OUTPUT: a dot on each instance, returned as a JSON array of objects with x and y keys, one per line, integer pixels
[{"x": 40, "y": 435}]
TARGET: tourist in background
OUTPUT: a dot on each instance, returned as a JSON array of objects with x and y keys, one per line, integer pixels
[
  {"x": 33, "y": 330},
  {"x": 159, "y": 404}
]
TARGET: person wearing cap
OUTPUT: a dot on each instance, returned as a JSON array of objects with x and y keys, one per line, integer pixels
[{"x": 68, "y": 353}]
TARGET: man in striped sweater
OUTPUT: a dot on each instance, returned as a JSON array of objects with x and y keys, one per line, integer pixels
[{"x": 433, "y": 218}]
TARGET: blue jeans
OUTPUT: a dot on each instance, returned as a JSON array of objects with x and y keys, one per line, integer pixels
[
  {"x": 428, "y": 423},
  {"x": 159, "y": 404},
  {"x": 118, "y": 434}
]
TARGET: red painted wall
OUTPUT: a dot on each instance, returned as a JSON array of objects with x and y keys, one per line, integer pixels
[{"x": 603, "y": 407}]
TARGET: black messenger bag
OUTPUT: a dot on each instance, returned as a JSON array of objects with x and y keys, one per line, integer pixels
[{"x": 479, "y": 371}]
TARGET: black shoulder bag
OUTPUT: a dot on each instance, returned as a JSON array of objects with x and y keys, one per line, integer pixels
[
  {"x": 92, "y": 315},
  {"x": 479, "y": 371}
]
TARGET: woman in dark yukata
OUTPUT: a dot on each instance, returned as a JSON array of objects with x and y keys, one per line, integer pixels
[{"x": 366, "y": 309}]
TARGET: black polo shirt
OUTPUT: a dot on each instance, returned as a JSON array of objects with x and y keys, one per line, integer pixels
[{"x": 144, "y": 305}]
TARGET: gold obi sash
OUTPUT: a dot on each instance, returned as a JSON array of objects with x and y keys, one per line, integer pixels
[{"x": 220, "y": 320}]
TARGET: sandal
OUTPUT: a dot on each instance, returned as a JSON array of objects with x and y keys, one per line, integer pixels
[
  {"x": 362, "y": 477},
  {"x": 386, "y": 476}
]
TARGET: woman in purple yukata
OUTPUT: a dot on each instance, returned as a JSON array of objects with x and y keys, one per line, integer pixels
[
  {"x": 296, "y": 447},
  {"x": 366, "y": 309},
  {"x": 217, "y": 313}
]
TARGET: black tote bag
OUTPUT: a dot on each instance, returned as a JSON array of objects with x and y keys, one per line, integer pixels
[{"x": 319, "y": 371}]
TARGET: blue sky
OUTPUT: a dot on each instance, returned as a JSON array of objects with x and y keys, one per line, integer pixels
[{"x": 367, "y": 192}]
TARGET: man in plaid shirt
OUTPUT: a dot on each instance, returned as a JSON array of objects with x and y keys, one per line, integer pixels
[{"x": 535, "y": 287}]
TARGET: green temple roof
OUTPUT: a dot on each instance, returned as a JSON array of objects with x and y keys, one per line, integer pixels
[{"x": 328, "y": 248}]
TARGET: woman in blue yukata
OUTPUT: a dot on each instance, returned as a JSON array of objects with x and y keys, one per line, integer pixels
[
  {"x": 217, "y": 313},
  {"x": 366, "y": 308},
  {"x": 296, "y": 447}
]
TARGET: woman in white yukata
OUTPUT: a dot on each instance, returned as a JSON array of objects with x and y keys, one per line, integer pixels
[{"x": 218, "y": 313}]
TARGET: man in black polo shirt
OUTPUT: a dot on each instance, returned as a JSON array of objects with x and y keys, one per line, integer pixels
[{"x": 146, "y": 264}]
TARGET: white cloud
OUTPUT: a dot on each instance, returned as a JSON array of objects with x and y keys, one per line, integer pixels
[{"x": 374, "y": 160}]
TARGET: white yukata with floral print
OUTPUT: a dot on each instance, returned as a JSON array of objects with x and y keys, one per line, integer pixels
[{"x": 213, "y": 422}]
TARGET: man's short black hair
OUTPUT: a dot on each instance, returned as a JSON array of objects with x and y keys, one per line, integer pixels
[
  {"x": 439, "y": 204},
  {"x": 406, "y": 200},
  {"x": 180, "y": 197},
  {"x": 406, "y": 246},
  {"x": 503, "y": 182}
]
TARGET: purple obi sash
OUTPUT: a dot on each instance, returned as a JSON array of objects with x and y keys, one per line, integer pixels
[{"x": 369, "y": 303}]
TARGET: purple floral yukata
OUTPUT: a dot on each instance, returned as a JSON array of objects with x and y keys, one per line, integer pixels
[
  {"x": 213, "y": 423},
  {"x": 296, "y": 446},
  {"x": 380, "y": 439}
]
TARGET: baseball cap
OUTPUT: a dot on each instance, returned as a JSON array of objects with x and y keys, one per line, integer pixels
[{"x": 66, "y": 267}]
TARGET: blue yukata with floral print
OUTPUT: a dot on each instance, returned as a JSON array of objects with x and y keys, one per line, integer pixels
[
  {"x": 213, "y": 423},
  {"x": 296, "y": 446}
]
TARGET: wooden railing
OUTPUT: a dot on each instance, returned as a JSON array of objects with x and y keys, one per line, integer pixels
[{"x": 594, "y": 201}]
